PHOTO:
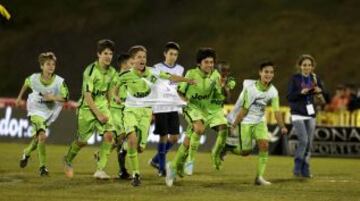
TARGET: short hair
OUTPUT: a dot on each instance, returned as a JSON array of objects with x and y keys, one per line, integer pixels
[
  {"x": 135, "y": 49},
  {"x": 171, "y": 45},
  {"x": 43, "y": 57},
  {"x": 123, "y": 57},
  {"x": 104, "y": 44},
  {"x": 204, "y": 53},
  {"x": 304, "y": 57},
  {"x": 266, "y": 63}
]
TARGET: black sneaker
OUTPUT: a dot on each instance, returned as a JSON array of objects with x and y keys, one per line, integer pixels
[
  {"x": 43, "y": 171},
  {"x": 162, "y": 173},
  {"x": 24, "y": 161},
  {"x": 136, "y": 180},
  {"x": 123, "y": 174}
]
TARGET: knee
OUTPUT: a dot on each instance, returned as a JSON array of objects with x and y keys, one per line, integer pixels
[
  {"x": 173, "y": 139},
  {"x": 263, "y": 145},
  {"x": 41, "y": 137},
  {"x": 132, "y": 140},
  {"x": 107, "y": 137},
  {"x": 199, "y": 128},
  {"x": 81, "y": 144}
]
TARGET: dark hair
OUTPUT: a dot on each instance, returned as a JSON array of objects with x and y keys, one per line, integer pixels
[
  {"x": 135, "y": 49},
  {"x": 304, "y": 57},
  {"x": 204, "y": 53},
  {"x": 123, "y": 57},
  {"x": 266, "y": 63},
  {"x": 104, "y": 44},
  {"x": 171, "y": 45}
]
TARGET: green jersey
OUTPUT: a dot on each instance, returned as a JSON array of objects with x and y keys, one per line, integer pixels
[
  {"x": 218, "y": 100},
  {"x": 121, "y": 91},
  {"x": 96, "y": 81},
  {"x": 207, "y": 86},
  {"x": 136, "y": 83}
]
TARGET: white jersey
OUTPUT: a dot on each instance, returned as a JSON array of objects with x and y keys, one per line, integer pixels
[
  {"x": 255, "y": 101},
  {"x": 175, "y": 70},
  {"x": 35, "y": 103}
]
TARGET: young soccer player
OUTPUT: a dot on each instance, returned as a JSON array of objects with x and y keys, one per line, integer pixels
[
  {"x": 93, "y": 110},
  {"x": 216, "y": 107},
  {"x": 198, "y": 113},
  {"x": 167, "y": 117},
  {"x": 44, "y": 104},
  {"x": 137, "y": 82},
  {"x": 249, "y": 116}
]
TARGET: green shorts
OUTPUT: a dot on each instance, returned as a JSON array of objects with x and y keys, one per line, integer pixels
[
  {"x": 38, "y": 124},
  {"x": 88, "y": 124},
  {"x": 138, "y": 120},
  {"x": 117, "y": 115},
  {"x": 249, "y": 132},
  {"x": 211, "y": 119}
]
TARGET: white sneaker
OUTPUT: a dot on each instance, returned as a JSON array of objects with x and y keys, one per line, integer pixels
[
  {"x": 261, "y": 181},
  {"x": 170, "y": 175},
  {"x": 101, "y": 174},
  {"x": 189, "y": 168}
]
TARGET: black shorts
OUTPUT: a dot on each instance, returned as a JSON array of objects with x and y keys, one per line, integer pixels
[{"x": 167, "y": 123}]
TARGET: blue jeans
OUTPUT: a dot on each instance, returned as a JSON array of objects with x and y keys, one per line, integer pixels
[{"x": 304, "y": 130}]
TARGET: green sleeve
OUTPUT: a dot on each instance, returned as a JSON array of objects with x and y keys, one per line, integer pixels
[
  {"x": 183, "y": 86},
  {"x": 275, "y": 103},
  {"x": 64, "y": 91},
  {"x": 245, "y": 99},
  {"x": 27, "y": 82},
  {"x": 165, "y": 75},
  {"x": 89, "y": 82}
]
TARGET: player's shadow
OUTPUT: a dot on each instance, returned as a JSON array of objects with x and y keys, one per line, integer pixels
[{"x": 289, "y": 180}]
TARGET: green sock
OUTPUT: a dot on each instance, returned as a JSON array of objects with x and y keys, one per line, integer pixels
[
  {"x": 180, "y": 157},
  {"x": 263, "y": 157},
  {"x": 73, "y": 151},
  {"x": 134, "y": 160},
  {"x": 194, "y": 146},
  {"x": 104, "y": 153},
  {"x": 42, "y": 154},
  {"x": 220, "y": 142},
  {"x": 31, "y": 147}
]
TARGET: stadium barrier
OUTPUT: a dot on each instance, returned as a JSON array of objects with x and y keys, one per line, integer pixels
[{"x": 337, "y": 134}]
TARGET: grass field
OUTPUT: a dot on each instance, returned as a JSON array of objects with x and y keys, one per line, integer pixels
[{"x": 335, "y": 179}]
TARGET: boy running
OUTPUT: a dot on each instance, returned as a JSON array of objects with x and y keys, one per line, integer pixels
[
  {"x": 249, "y": 116},
  {"x": 93, "y": 111},
  {"x": 44, "y": 104}
]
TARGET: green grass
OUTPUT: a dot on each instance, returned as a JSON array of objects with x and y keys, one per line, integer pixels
[{"x": 335, "y": 179}]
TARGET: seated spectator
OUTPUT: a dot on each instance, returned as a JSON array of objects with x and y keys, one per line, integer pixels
[
  {"x": 353, "y": 101},
  {"x": 339, "y": 101}
]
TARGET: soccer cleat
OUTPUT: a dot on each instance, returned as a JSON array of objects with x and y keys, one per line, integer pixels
[
  {"x": 24, "y": 161},
  {"x": 101, "y": 174},
  {"x": 170, "y": 175},
  {"x": 261, "y": 181},
  {"x": 189, "y": 168},
  {"x": 153, "y": 164},
  {"x": 68, "y": 169},
  {"x": 123, "y": 174},
  {"x": 43, "y": 171},
  {"x": 162, "y": 173},
  {"x": 136, "y": 180}
]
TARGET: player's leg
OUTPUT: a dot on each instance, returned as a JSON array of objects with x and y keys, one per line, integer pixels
[
  {"x": 262, "y": 139},
  {"x": 37, "y": 123},
  {"x": 161, "y": 129}
]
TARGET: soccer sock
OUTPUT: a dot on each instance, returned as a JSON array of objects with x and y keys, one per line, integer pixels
[
  {"x": 122, "y": 159},
  {"x": 263, "y": 157},
  {"x": 161, "y": 156},
  {"x": 31, "y": 147},
  {"x": 168, "y": 146},
  {"x": 134, "y": 161},
  {"x": 194, "y": 146},
  {"x": 42, "y": 154},
  {"x": 237, "y": 150},
  {"x": 73, "y": 151},
  {"x": 180, "y": 157},
  {"x": 104, "y": 153},
  {"x": 220, "y": 142}
]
